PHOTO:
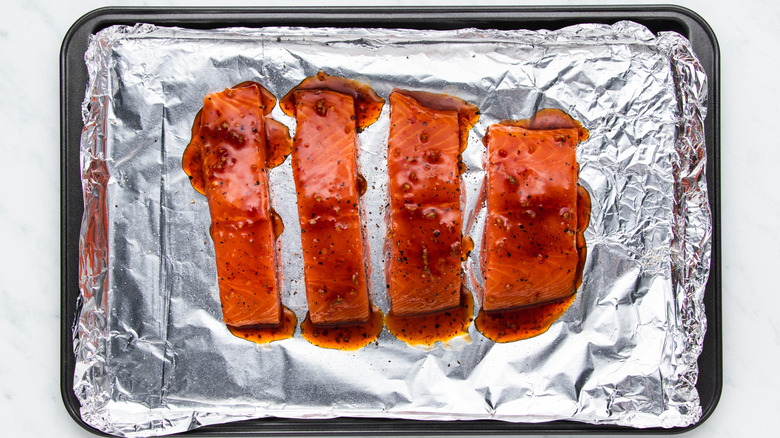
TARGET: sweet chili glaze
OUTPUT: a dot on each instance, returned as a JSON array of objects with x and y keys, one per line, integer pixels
[
  {"x": 344, "y": 336},
  {"x": 527, "y": 322},
  {"x": 428, "y": 133},
  {"x": 533, "y": 247},
  {"x": 329, "y": 112},
  {"x": 427, "y": 329},
  {"x": 233, "y": 145},
  {"x": 264, "y": 335},
  {"x": 367, "y": 104}
]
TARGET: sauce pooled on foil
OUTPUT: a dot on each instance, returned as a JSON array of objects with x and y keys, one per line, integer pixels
[
  {"x": 427, "y": 329},
  {"x": 344, "y": 336}
]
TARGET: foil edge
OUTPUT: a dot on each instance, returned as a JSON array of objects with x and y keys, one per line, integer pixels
[{"x": 693, "y": 246}]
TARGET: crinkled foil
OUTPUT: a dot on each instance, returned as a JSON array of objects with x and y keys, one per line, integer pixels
[{"x": 152, "y": 354}]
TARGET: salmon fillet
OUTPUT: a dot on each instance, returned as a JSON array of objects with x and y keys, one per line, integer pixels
[
  {"x": 227, "y": 161},
  {"x": 531, "y": 254},
  {"x": 325, "y": 171},
  {"x": 423, "y": 267}
]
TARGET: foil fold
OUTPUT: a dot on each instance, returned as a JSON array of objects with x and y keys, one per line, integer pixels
[{"x": 154, "y": 358}]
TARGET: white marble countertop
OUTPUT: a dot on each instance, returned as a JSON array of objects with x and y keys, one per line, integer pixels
[{"x": 31, "y": 33}]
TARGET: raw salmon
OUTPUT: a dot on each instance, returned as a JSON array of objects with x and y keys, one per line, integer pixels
[
  {"x": 228, "y": 160},
  {"x": 428, "y": 132},
  {"x": 531, "y": 246},
  {"x": 329, "y": 112}
]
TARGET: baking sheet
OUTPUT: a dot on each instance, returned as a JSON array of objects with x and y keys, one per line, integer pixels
[{"x": 523, "y": 420}]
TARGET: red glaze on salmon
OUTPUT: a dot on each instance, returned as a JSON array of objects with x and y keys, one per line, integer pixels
[
  {"x": 427, "y": 134},
  {"x": 532, "y": 255},
  {"x": 324, "y": 164},
  {"x": 227, "y": 160}
]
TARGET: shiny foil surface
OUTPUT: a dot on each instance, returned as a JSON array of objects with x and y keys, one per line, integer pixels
[{"x": 153, "y": 356}]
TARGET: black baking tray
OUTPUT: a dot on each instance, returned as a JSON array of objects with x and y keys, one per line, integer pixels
[{"x": 73, "y": 80}]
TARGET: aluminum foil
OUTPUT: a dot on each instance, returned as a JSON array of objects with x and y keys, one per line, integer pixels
[{"x": 152, "y": 354}]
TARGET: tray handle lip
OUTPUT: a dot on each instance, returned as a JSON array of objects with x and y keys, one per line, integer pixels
[{"x": 100, "y": 18}]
